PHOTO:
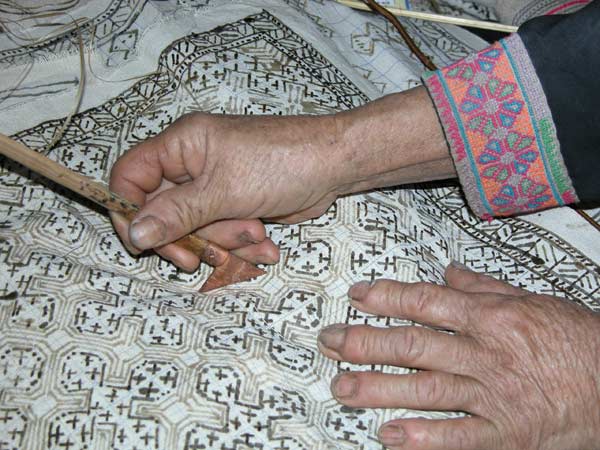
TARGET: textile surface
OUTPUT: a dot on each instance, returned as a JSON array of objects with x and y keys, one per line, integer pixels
[{"x": 102, "y": 350}]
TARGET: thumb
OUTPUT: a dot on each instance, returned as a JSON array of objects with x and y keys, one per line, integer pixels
[{"x": 172, "y": 214}]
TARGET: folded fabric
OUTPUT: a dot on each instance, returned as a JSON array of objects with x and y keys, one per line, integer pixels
[{"x": 517, "y": 12}]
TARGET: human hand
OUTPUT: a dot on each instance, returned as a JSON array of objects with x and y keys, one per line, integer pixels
[
  {"x": 525, "y": 366},
  {"x": 219, "y": 175}
]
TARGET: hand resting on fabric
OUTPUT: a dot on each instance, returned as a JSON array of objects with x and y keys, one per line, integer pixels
[{"x": 525, "y": 366}]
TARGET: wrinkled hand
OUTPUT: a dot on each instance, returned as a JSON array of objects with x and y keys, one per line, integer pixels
[
  {"x": 219, "y": 175},
  {"x": 525, "y": 366}
]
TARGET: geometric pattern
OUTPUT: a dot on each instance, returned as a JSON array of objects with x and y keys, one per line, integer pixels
[
  {"x": 108, "y": 29},
  {"x": 501, "y": 132},
  {"x": 101, "y": 349},
  {"x": 114, "y": 27}
]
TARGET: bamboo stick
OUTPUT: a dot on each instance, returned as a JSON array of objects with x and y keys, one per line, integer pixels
[
  {"x": 210, "y": 253},
  {"x": 441, "y": 18},
  {"x": 229, "y": 268}
]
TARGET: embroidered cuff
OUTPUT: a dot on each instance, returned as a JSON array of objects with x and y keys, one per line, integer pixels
[{"x": 500, "y": 131}]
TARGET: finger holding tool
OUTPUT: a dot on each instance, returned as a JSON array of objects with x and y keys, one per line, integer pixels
[{"x": 229, "y": 268}]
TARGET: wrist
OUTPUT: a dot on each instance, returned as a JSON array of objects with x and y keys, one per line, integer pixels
[{"x": 394, "y": 140}]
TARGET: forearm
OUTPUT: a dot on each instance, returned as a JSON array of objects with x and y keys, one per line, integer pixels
[{"x": 394, "y": 140}]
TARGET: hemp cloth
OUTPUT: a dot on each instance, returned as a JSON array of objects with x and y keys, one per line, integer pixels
[{"x": 99, "y": 349}]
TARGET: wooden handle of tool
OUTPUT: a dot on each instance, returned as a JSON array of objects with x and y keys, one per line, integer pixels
[{"x": 208, "y": 252}]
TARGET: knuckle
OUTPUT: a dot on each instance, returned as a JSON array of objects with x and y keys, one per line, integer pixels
[
  {"x": 189, "y": 120},
  {"x": 184, "y": 210},
  {"x": 429, "y": 390},
  {"x": 509, "y": 314},
  {"x": 115, "y": 171},
  {"x": 198, "y": 118},
  {"x": 357, "y": 345},
  {"x": 118, "y": 174},
  {"x": 256, "y": 230},
  {"x": 182, "y": 138},
  {"x": 465, "y": 351},
  {"x": 420, "y": 438},
  {"x": 422, "y": 294},
  {"x": 173, "y": 147},
  {"x": 143, "y": 156},
  {"x": 410, "y": 346},
  {"x": 385, "y": 290}
]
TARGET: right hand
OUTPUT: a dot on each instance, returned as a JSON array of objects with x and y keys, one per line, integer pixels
[{"x": 218, "y": 175}]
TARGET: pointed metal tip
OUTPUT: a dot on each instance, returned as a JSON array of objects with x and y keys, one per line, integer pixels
[{"x": 234, "y": 270}]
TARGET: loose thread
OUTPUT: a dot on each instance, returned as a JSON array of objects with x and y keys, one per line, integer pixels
[
  {"x": 29, "y": 9},
  {"x": 61, "y": 131},
  {"x": 589, "y": 219},
  {"x": 49, "y": 36},
  {"x": 95, "y": 75},
  {"x": 440, "y": 18}
]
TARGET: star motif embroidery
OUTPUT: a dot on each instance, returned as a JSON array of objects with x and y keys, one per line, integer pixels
[
  {"x": 491, "y": 106},
  {"x": 468, "y": 67},
  {"x": 509, "y": 156}
]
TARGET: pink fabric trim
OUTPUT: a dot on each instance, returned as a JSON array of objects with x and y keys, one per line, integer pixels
[{"x": 567, "y": 5}]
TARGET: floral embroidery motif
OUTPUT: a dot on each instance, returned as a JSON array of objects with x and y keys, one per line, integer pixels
[
  {"x": 505, "y": 163},
  {"x": 491, "y": 106},
  {"x": 466, "y": 69}
]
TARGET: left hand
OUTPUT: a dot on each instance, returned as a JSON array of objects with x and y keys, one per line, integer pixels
[{"x": 525, "y": 366}]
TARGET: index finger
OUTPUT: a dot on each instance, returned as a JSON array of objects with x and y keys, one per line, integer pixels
[
  {"x": 176, "y": 154},
  {"x": 425, "y": 303}
]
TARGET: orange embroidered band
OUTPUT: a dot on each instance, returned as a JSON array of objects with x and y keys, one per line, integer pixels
[{"x": 500, "y": 131}]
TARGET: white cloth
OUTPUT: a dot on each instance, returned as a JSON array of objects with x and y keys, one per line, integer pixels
[{"x": 104, "y": 350}]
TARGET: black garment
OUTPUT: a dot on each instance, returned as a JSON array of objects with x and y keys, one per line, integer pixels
[{"x": 565, "y": 51}]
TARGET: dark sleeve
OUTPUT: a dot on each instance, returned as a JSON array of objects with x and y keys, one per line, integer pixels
[
  {"x": 565, "y": 51},
  {"x": 522, "y": 117}
]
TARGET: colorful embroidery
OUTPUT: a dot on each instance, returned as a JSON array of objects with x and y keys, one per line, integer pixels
[{"x": 500, "y": 130}]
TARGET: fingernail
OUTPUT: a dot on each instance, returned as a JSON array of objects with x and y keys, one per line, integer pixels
[
  {"x": 459, "y": 266},
  {"x": 119, "y": 219},
  {"x": 132, "y": 250},
  {"x": 246, "y": 238},
  {"x": 344, "y": 385},
  {"x": 265, "y": 259},
  {"x": 147, "y": 232},
  {"x": 392, "y": 435},
  {"x": 333, "y": 336},
  {"x": 359, "y": 291}
]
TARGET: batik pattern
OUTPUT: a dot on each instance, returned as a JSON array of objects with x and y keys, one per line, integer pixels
[
  {"x": 500, "y": 130},
  {"x": 100, "y": 349}
]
